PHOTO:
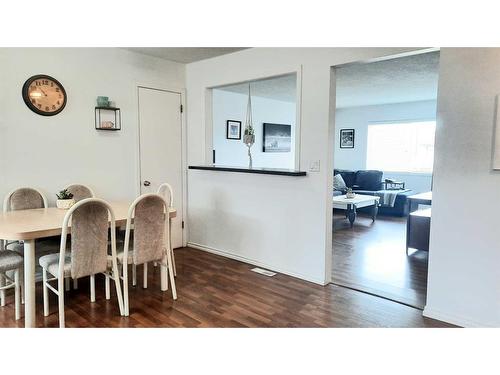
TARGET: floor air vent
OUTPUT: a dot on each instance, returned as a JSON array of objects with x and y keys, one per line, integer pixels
[{"x": 263, "y": 272}]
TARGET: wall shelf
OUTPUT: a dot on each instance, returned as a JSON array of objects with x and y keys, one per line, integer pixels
[
  {"x": 108, "y": 118},
  {"x": 269, "y": 171}
]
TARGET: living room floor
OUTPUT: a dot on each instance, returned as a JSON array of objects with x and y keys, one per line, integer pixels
[{"x": 371, "y": 257}]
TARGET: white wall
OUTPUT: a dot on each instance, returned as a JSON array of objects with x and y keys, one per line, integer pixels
[
  {"x": 282, "y": 223},
  {"x": 358, "y": 118},
  {"x": 50, "y": 152},
  {"x": 233, "y": 106},
  {"x": 464, "y": 277}
]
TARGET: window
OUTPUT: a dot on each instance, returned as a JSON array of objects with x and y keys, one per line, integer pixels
[{"x": 401, "y": 147}]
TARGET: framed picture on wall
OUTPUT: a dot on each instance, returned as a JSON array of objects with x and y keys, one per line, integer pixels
[
  {"x": 233, "y": 129},
  {"x": 277, "y": 137},
  {"x": 346, "y": 138}
]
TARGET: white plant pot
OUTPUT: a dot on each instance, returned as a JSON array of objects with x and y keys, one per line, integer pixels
[{"x": 65, "y": 204}]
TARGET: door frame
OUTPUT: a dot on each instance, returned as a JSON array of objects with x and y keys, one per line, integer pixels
[{"x": 182, "y": 93}]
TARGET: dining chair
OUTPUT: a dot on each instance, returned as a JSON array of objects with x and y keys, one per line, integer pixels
[
  {"x": 148, "y": 212},
  {"x": 88, "y": 253},
  {"x": 80, "y": 192},
  {"x": 166, "y": 191},
  {"x": 24, "y": 198},
  {"x": 11, "y": 261}
]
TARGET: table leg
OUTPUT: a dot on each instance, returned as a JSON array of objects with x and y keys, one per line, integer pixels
[
  {"x": 375, "y": 211},
  {"x": 29, "y": 284},
  {"x": 351, "y": 212}
]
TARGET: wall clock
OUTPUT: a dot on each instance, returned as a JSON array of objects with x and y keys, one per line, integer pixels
[{"x": 44, "y": 95}]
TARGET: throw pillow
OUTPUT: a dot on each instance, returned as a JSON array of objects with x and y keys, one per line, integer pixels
[{"x": 338, "y": 183}]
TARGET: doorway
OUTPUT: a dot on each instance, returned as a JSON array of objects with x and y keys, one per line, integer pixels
[
  {"x": 160, "y": 148},
  {"x": 385, "y": 115}
]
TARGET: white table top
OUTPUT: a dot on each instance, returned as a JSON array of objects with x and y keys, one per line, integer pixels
[
  {"x": 47, "y": 222},
  {"x": 358, "y": 198}
]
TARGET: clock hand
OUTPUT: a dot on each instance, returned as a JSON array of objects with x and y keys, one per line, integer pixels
[{"x": 42, "y": 91}]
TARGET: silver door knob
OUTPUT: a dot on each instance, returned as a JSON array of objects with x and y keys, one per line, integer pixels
[{"x": 147, "y": 183}]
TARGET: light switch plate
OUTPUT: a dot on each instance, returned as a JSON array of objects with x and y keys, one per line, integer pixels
[{"x": 314, "y": 166}]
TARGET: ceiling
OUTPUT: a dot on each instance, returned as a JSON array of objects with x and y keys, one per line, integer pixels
[
  {"x": 185, "y": 54},
  {"x": 282, "y": 88},
  {"x": 400, "y": 80}
]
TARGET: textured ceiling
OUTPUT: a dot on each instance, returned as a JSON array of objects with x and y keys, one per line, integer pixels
[
  {"x": 279, "y": 88},
  {"x": 400, "y": 80},
  {"x": 405, "y": 79},
  {"x": 185, "y": 54}
]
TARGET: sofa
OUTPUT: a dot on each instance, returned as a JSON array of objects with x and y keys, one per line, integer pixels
[{"x": 368, "y": 182}]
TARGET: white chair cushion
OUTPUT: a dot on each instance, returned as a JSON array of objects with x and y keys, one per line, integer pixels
[
  {"x": 50, "y": 263},
  {"x": 10, "y": 260}
]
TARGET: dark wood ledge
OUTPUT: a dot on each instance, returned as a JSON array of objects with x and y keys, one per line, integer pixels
[{"x": 273, "y": 171}]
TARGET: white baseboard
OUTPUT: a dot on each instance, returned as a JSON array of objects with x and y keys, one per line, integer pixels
[
  {"x": 454, "y": 319},
  {"x": 255, "y": 263}
]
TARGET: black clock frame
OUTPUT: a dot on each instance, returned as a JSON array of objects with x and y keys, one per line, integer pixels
[{"x": 27, "y": 101}]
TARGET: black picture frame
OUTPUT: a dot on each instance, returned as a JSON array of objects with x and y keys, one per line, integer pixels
[
  {"x": 228, "y": 133},
  {"x": 276, "y": 137},
  {"x": 27, "y": 101},
  {"x": 347, "y": 138}
]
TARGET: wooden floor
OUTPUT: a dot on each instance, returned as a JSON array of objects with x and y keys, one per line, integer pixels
[
  {"x": 371, "y": 257},
  {"x": 215, "y": 291}
]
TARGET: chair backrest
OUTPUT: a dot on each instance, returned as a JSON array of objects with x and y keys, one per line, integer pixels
[
  {"x": 25, "y": 198},
  {"x": 165, "y": 190},
  {"x": 149, "y": 213},
  {"x": 90, "y": 219},
  {"x": 80, "y": 192}
]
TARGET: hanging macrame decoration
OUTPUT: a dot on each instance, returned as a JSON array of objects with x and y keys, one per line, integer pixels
[{"x": 249, "y": 134}]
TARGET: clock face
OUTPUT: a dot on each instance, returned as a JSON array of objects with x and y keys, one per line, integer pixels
[{"x": 44, "y": 95}]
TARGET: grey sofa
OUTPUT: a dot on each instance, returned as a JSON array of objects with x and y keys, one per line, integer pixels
[{"x": 368, "y": 182}]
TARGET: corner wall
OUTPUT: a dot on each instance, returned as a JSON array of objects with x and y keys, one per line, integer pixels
[
  {"x": 464, "y": 258},
  {"x": 281, "y": 223}
]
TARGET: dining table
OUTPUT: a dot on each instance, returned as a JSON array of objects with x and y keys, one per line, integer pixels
[{"x": 30, "y": 225}]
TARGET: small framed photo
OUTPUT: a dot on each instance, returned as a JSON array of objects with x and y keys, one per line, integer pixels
[
  {"x": 233, "y": 129},
  {"x": 346, "y": 138}
]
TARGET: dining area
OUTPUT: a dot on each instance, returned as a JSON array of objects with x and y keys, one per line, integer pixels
[{"x": 83, "y": 238}]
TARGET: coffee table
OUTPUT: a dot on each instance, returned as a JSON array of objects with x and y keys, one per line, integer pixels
[{"x": 352, "y": 204}]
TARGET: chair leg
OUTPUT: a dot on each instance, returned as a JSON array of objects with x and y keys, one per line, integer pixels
[
  {"x": 116, "y": 279},
  {"x": 145, "y": 281},
  {"x": 173, "y": 262},
  {"x": 2, "y": 292},
  {"x": 92, "y": 288},
  {"x": 134, "y": 275},
  {"x": 171, "y": 273},
  {"x": 75, "y": 284},
  {"x": 60, "y": 294},
  {"x": 106, "y": 285},
  {"x": 17, "y": 294},
  {"x": 45, "y": 293},
  {"x": 125, "y": 290},
  {"x": 21, "y": 284}
]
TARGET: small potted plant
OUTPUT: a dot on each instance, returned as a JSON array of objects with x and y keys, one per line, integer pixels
[
  {"x": 64, "y": 200},
  {"x": 350, "y": 194}
]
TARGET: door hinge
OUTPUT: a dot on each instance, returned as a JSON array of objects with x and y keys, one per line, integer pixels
[
  {"x": 182, "y": 224},
  {"x": 182, "y": 108}
]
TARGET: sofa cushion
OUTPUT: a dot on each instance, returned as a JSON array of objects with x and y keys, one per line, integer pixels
[
  {"x": 348, "y": 176},
  {"x": 369, "y": 180},
  {"x": 338, "y": 183}
]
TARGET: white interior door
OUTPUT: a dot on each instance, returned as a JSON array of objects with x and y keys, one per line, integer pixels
[{"x": 160, "y": 131}]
